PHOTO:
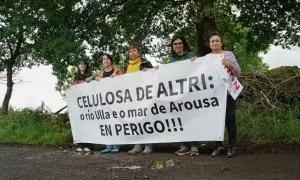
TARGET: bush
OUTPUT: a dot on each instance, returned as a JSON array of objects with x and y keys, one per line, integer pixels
[
  {"x": 29, "y": 126},
  {"x": 266, "y": 125}
]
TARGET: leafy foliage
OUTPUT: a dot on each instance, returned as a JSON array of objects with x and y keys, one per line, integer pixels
[
  {"x": 270, "y": 21},
  {"x": 34, "y": 32},
  {"x": 62, "y": 32},
  {"x": 123, "y": 21},
  {"x": 28, "y": 126}
]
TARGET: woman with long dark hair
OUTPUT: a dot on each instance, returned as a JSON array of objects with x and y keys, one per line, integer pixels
[
  {"x": 82, "y": 73},
  {"x": 180, "y": 51},
  {"x": 109, "y": 71}
]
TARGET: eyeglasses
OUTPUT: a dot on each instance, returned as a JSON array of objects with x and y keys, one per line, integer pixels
[{"x": 177, "y": 44}]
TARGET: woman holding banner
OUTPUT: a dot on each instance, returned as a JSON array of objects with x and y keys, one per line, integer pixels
[
  {"x": 230, "y": 62},
  {"x": 180, "y": 51},
  {"x": 81, "y": 75},
  {"x": 137, "y": 63},
  {"x": 109, "y": 71}
]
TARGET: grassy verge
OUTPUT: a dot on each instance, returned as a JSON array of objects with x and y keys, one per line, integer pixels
[
  {"x": 257, "y": 125},
  {"x": 262, "y": 125},
  {"x": 33, "y": 127}
]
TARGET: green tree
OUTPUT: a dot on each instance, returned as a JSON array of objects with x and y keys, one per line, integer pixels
[
  {"x": 18, "y": 24},
  {"x": 55, "y": 32},
  {"x": 30, "y": 32},
  {"x": 253, "y": 25},
  {"x": 271, "y": 22}
]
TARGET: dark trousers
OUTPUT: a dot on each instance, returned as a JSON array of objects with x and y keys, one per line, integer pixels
[
  {"x": 84, "y": 145},
  {"x": 230, "y": 123}
]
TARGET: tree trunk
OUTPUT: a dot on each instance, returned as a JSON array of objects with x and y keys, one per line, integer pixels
[
  {"x": 204, "y": 27},
  {"x": 10, "y": 64},
  {"x": 9, "y": 89}
]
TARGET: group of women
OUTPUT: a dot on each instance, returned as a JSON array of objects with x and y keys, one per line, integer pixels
[{"x": 179, "y": 51}]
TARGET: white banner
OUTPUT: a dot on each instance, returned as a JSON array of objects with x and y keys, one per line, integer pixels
[{"x": 182, "y": 101}]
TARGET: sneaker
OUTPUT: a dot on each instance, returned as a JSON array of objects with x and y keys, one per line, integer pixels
[
  {"x": 137, "y": 149},
  {"x": 148, "y": 149},
  {"x": 106, "y": 150},
  {"x": 183, "y": 151},
  {"x": 87, "y": 149},
  {"x": 231, "y": 152},
  {"x": 115, "y": 149},
  {"x": 79, "y": 149},
  {"x": 194, "y": 151},
  {"x": 217, "y": 152}
]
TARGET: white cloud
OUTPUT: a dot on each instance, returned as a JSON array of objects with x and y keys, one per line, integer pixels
[
  {"x": 39, "y": 86},
  {"x": 282, "y": 57}
]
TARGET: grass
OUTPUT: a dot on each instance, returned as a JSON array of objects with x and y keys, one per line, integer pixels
[
  {"x": 259, "y": 125},
  {"x": 29, "y": 126},
  {"x": 263, "y": 125}
]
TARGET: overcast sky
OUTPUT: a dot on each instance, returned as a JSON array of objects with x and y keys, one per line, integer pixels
[{"x": 39, "y": 82}]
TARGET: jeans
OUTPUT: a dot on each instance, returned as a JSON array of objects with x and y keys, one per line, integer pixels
[{"x": 189, "y": 144}]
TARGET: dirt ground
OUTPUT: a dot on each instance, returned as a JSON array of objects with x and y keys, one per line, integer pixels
[{"x": 42, "y": 162}]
